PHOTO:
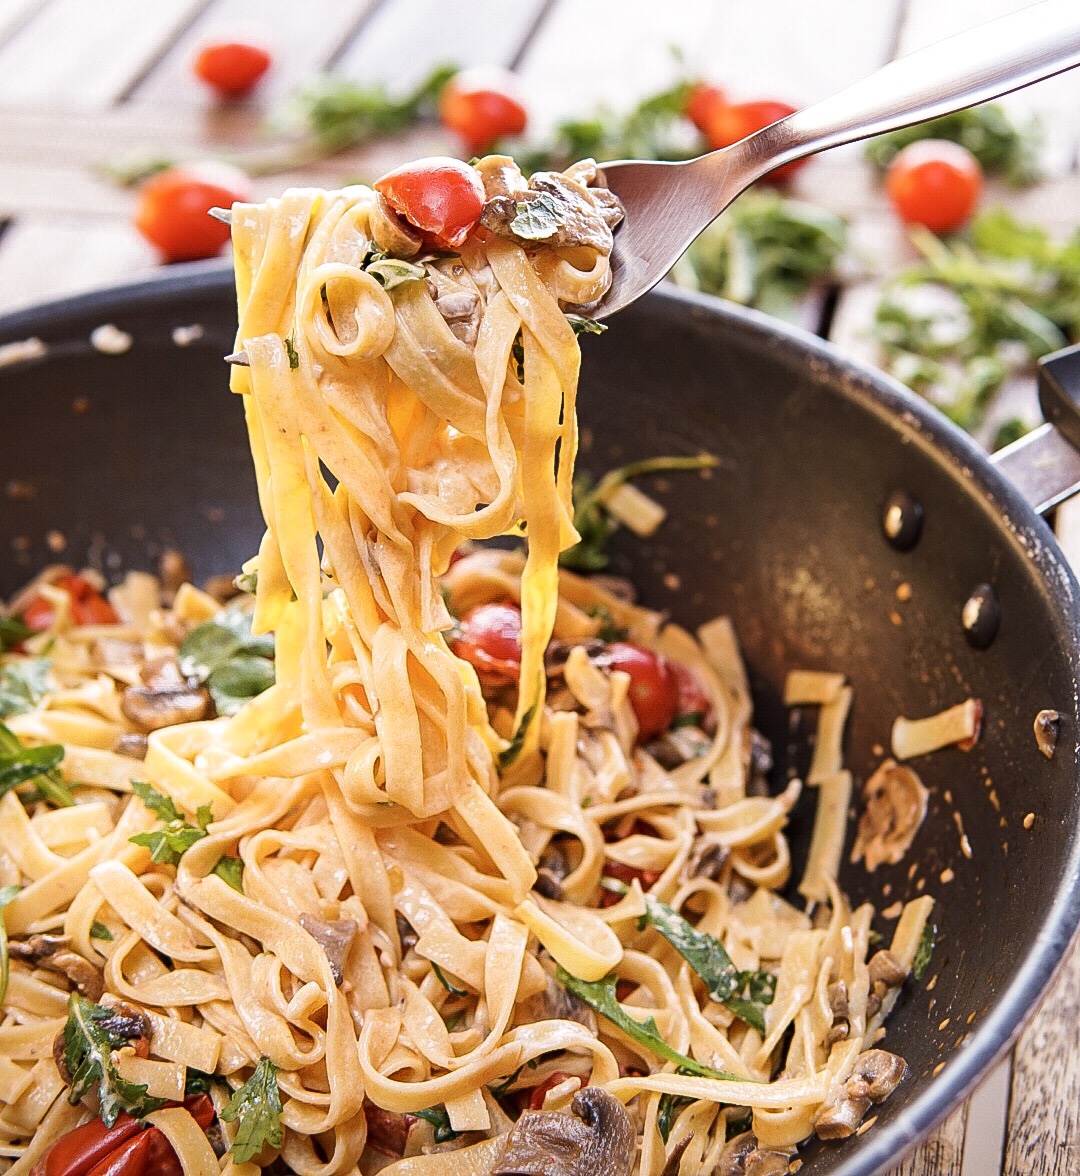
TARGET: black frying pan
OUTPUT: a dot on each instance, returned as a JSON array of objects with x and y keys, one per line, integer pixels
[{"x": 129, "y": 453}]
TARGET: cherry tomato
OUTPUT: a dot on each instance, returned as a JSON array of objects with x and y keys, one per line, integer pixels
[
  {"x": 935, "y": 183},
  {"x": 627, "y": 874},
  {"x": 482, "y": 105},
  {"x": 231, "y": 68},
  {"x": 173, "y": 204},
  {"x": 727, "y": 124},
  {"x": 442, "y": 197},
  {"x": 88, "y": 606},
  {"x": 703, "y": 101},
  {"x": 491, "y": 639},
  {"x": 539, "y": 1093},
  {"x": 653, "y": 690},
  {"x": 691, "y": 696}
]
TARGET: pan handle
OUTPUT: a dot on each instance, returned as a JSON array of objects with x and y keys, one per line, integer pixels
[{"x": 1045, "y": 465}]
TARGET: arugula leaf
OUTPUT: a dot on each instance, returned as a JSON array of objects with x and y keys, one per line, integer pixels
[
  {"x": 517, "y": 742},
  {"x": 585, "y": 326},
  {"x": 257, "y": 1106},
  {"x": 706, "y": 955},
  {"x": 538, "y": 218},
  {"x": 13, "y": 631},
  {"x": 100, "y": 931},
  {"x": 7, "y": 893},
  {"x": 23, "y": 684},
  {"x": 169, "y": 843},
  {"x": 230, "y": 869},
  {"x": 223, "y": 654},
  {"x": 609, "y": 630},
  {"x": 924, "y": 951},
  {"x": 91, "y": 1034},
  {"x": 390, "y": 272},
  {"x": 439, "y": 1119},
  {"x": 599, "y": 995},
  {"x": 20, "y": 764},
  {"x": 440, "y": 975},
  {"x": 1001, "y": 146},
  {"x": 239, "y": 681},
  {"x": 667, "y": 1111}
]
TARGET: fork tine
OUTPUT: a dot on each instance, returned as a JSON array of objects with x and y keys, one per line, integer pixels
[
  {"x": 238, "y": 359},
  {"x": 221, "y": 214}
]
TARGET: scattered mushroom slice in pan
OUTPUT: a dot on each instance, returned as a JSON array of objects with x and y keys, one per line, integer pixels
[
  {"x": 895, "y": 805},
  {"x": 596, "y": 1140},
  {"x": 876, "y": 1075}
]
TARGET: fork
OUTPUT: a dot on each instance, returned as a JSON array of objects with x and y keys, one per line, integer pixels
[{"x": 668, "y": 204}]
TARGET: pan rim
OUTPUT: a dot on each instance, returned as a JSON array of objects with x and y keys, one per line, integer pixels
[{"x": 915, "y": 422}]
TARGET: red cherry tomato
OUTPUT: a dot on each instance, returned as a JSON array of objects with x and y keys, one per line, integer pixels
[
  {"x": 491, "y": 639},
  {"x": 691, "y": 696},
  {"x": 539, "y": 1093},
  {"x": 704, "y": 100},
  {"x": 727, "y": 124},
  {"x": 442, "y": 197},
  {"x": 653, "y": 690},
  {"x": 482, "y": 105},
  {"x": 231, "y": 68},
  {"x": 173, "y": 205},
  {"x": 935, "y": 183},
  {"x": 88, "y": 606},
  {"x": 627, "y": 874}
]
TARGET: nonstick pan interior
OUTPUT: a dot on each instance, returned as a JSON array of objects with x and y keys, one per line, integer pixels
[{"x": 111, "y": 457}]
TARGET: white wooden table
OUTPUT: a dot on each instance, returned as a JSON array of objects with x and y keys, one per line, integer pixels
[{"x": 86, "y": 81}]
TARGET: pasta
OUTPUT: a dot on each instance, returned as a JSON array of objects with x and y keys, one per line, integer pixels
[{"x": 379, "y": 906}]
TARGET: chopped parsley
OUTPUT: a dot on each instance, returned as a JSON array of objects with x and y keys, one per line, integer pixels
[{"x": 256, "y": 1107}]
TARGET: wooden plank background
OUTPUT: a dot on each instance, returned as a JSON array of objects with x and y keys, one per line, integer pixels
[{"x": 86, "y": 82}]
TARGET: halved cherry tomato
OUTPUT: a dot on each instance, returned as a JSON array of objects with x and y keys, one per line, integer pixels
[
  {"x": 934, "y": 182},
  {"x": 691, "y": 696},
  {"x": 442, "y": 197},
  {"x": 88, "y": 606},
  {"x": 482, "y": 105},
  {"x": 701, "y": 104},
  {"x": 231, "y": 68},
  {"x": 624, "y": 873},
  {"x": 653, "y": 690},
  {"x": 539, "y": 1093},
  {"x": 490, "y": 638},
  {"x": 172, "y": 208},
  {"x": 727, "y": 124}
]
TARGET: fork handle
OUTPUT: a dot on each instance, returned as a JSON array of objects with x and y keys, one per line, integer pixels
[{"x": 971, "y": 67}]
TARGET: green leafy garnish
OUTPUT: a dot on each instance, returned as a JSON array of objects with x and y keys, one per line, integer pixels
[
  {"x": 667, "y": 1111},
  {"x": 247, "y": 582},
  {"x": 743, "y": 992},
  {"x": 390, "y": 272},
  {"x": 24, "y": 682},
  {"x": 223, "y": 654},
  {"x": 609, "y": 629},
  {"x": 231, "y": 870},
  {"x": 599, "y": 995},
  {"x": 591, "y": 518},
  {"x": 13, "y": 631},
  {"x": 169, "y": 843},
  {"x": 517, "y": 741},
  {"x": 7, "y": 893},
  {"x": 91, "y": 1034},
  {"x": 257, "y": 1106},
  {"x": 1001, "y": 147},
  {"x": 538, "y": 218},
  {"x": 100, "y": 931},
  {"x": 290, "y": 351},
  {"x": 440, "y": 975},
  {"x": 585, "y": 326},
  {"x": 20, "y": 764},
  {"x": 766, "y": 251},
  {"x": 439, "y": 1119},
  {"x": 924, "y": 951}
]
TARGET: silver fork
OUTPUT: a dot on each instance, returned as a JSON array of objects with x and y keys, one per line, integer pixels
[{"x": 669, "y": 204}]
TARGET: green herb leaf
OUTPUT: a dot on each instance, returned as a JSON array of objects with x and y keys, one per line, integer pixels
[
  {"x": 24, "y": 681},
  {"x": 599, "y": 995},
  {"x": 510, "y": 753},
  {"x": 20, "y": 764},
  {"x": 706, "y": 955},
  {"x": 231, "y": 869},
  {"x": 13, "y": 631},
  {"x": 169, "y": 843},
  {"x": 538, "y": 218},
  {"x": 100, "y": 931},
  {"x": 667, "y": 1111},
  {"x": 440, "y": 975},
  {"x": 91, "y": 1034},
  {"x": 239, "y": 681},
  {"x": 440, "y": 1120},
  {"x": 257, "y": 1107},
  {"x": 585, "y": 326},
  {"x": 290, "y": 351},
  {"x": 390, "y": 272},
  {"x": 609, "y": 629},
  {"x": 924, "y": 951},
  {"x": 7, "y": 893},
  {"x": 234, "y": 664},
  {"x": 247, "y": 582}
]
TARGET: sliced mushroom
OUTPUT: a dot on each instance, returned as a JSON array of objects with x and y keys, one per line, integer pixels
[
  {"x": 335, "y": 938},
  {"x": 133, "y": 744},
  {"x": 895, "y": 805},
  {"x": 876, "y": 1074},
  {"x": 151, "y": 709},
  {"x": 551, "y": 869},
  {"x": 54, "y": 953},
  {"x": 556, "y": 1003},
  {"x": 885, "y": 972},
  {"x": 842, "y": 1119},
  {"x": 707, "y": 859},
  {"x": 735, "y": 1153},
  {"x": 838, "y": 1002},
  {"x": 596, "y": 1140},
  {"x": 1047, "y": 728},
  {"x": 671, "y": 1164}
]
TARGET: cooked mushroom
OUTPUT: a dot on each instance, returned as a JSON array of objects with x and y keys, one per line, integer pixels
[
  {"x": 838, "y": 1002},
  {"x": 885, "y": 972},
  {"x": 876, "y": 1075},
  {"x": 596, "y": 1140},
  {"x": 556, "y": 1003},
  {"x": 151, "y": 708},
  {"x": 584, "y": 216},
  {"x": 1047, "y": 726},
  {"x": 54, "y": 953},
  {"x": 133, "y": 744},
  {"x": 551, "y": 869},
  {"x": 707, "y": 859},
  {"x": 895, "y": 805},
  {"x": 671, "y": 1164},
  {"x": 335, "y": 938}
]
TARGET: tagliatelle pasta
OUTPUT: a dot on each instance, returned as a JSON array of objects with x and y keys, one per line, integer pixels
[{"x": 398, "y": 894}]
